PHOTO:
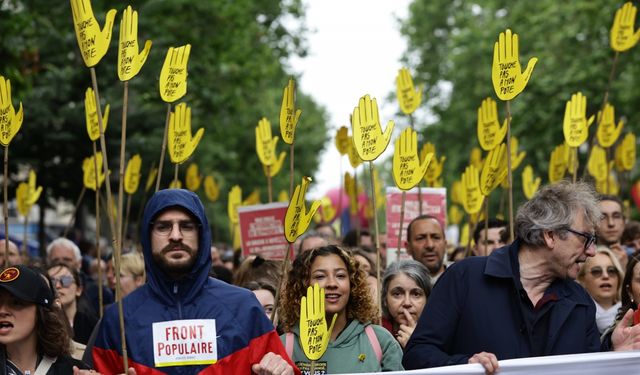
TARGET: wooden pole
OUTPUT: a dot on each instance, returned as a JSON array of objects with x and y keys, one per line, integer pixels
[{"x": 164, "y": 146}]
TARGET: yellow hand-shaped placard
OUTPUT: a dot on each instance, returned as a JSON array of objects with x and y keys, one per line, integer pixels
[
  {"x": 265, "y": 144},
  {"x": 289, "y": 115},
  {"x": 516, "y": 157},
  {"x": 343, "y": 141},
  {"x": 252, "y": 199},
  {"x": 597, "y": 164},
  {"x": 623, "y": 36},
  {"x": 558, "y": 163},
  {"x": 608, "y": 132},
  {"x": 235, "y": 201},
  {"x": 408, "y": 96},
  {"x": 351, "y": 189},
  {"x": 608, "y": 188},
  {"x": 408, "y": 171},
  {"x": 10, "y": 121},
  {"x": 368, "y": 138},
  {"x": 129, "y": 60},
  {"x": 22, "y": 195},
  {"x": 575, "y": 125},
  {"x": 211, "y": 189},
  {"x": 434, "y": 170},
  {"x": 193, "y": 177},
  {"x": 464, "y": 235},
  {"x": 91, "y": 115},
  {"x": 490, "y": 133},
  {"x": 92, "y": 41},
  {"x": 34, "y": 190},
  {"x": 173, "y": 76},
  {"x": 151, "y": 178},
  {"x": 494, "y": 169},
  {"x": 283, "y": 196},
  {"x": 626, "y": 153},
  {"x": 328, "y": 211},
  {"x": 276, "y": 167},
  {"x": 475, "y": 158},
  {"x": 508, "y": 80},
  {"x": 529, "y": 184},
  {"x": 175, "y": 184},
  {"x": 314, "y": 335},
  {"x": 132, "y": 174},
  {"x": 297, "y": 218},
  {"x": 181, "y": 143},
  {"x": 473, "y": 197},
  {"x": 455, "y": 214},
  {"x": 457, "y": 192},
  {"x": 352, "y": 153},
  {"x": 89, "y": 171}
]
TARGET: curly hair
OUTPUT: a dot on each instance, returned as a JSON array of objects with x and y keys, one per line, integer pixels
[
  {"x": 360, "y": 305},
  {"x": 52, "y": 331}
]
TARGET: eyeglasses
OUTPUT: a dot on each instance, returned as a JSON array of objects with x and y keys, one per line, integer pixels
[
  {"x": 65, "y": 281},
  {"x": 597, "y": 271},
  {"x": 590, "y": 238},
  {"x": 164, "y": 228}
]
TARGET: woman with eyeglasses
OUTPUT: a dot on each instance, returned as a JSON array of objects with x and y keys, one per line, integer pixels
[
  {"x": 601, "y": 276},
  {"x": 66, "y": 281}
]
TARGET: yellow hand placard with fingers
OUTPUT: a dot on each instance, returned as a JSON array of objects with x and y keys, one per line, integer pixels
[
  {"x": 173, "y": 76},
  {"x": 558, "y": 163},
  {"x": 490, "y": 133},
  {"x": 473, "y": 197},
  {"x": 175, "y": 184},
  {"x": 457, "y": 192},
  {"x": 455, "y": 215},
  {"x": 297, "y": 218},
  {"x": 10, "y": 121},
  {"x": 211, "y": 189},
  {"x": 328, "y": 211},
  {"x": 408, "y": 170},
  {"x": 613, "y": 188},
  {"x": 352, "y": 153},
  {"x": 368, "y": 138},
  {"x": 475, "y": 158},
  {"x": 151, "y": 178},
  {"x": 434, "y": 170},
  {"x": 92, "y": 41},
  {"x": 464, "y": 235},
  {"x": 608, "y": 132},
  {"x": 265, "y": 143},
  {"x": 132, "y": 174},
  {"x": 91, "y": 115},
  {"x": 597, "y": 164},
  {"x": 130, "y": 61},
  {"x": 622, "y": 36},
  {"x": 22, "y": 195},
  {"x": 289, "y": 115},
  {"x": 408, "y": 96},
  {"x": 343, "y": 140},
  {"x": 235, "y": 201},
  {"x": 34, "y": 191},
  {"x": 351, "y": 189},
  {"x": 529, "y": 184},
  {"x": 181, "y": 143},
  {"x": 508, "y": 80},
  {"x": 283, "y": 196},
  {"x": 89, "y": 171},
  {"x": 494, "y": 169},
  {"x": 193, "y": 177},
  {"x": 575, "y": 125},
  {"x": 276, "y": 167},
  {"x": 626, "y": 153},
  {"x": 314, "y": 335},
  {"x": 252, "y": 199},
  {"x": 516, "y": 157}
]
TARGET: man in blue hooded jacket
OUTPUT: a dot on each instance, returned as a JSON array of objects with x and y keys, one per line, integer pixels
[{"x": 182, "y": 321}]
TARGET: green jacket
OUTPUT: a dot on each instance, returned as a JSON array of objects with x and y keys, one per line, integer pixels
[{"x": 351, "y": 352}]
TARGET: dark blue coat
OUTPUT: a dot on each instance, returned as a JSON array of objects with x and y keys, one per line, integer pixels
[{"x": 474, "y": 307}]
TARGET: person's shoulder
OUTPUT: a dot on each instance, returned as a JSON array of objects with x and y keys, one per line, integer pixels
[
  {"x": 572, "y": 289},
  {"x": 64, "y": 365},
  {"x": 222, "y": 289}
]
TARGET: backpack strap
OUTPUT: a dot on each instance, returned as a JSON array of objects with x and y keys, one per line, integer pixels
[
  {"x": 373, "y": 340},
  {"x": 288, "y": 344},
  {"x": 45, "y": 365}
]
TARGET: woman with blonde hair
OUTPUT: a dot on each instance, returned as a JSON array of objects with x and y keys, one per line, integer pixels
[
  {"x": 356, "y": 344},
  {"x": 132, "y": 273},
  {"x": 601, "y": 275}
]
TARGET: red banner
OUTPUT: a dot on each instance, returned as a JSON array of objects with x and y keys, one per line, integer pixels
[{"x": 262, "y": 230}]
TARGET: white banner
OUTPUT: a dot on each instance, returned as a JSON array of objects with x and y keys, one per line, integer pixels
[{"x": 609, "y": 363}]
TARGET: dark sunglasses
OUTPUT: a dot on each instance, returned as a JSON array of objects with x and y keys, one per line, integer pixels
[
  {"x": 597, "y": 271},
  {"x": 590, "y": 239},
  {"x": 65, "y": 281}
]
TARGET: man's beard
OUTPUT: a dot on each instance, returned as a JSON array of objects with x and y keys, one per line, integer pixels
[{"x": 173, "y": 269}]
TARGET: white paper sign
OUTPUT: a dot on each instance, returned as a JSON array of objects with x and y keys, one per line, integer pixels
[{"x": 185, "y": 342}]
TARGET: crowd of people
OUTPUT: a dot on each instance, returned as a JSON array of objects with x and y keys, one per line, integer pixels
[{"x": 568, "y": 283}]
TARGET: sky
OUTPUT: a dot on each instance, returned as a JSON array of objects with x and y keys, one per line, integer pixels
[{"x": 354, "y": 49}]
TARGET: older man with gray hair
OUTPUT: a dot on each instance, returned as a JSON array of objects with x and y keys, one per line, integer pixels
[
  {"x": 12, "y": 252},
  {"x": 522, "y": 300}
]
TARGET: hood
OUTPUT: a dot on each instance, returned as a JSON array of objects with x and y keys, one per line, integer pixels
[{"x": 170, "y": 291}]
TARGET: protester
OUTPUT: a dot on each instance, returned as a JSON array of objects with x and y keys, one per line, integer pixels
[
  {"x": 427, "y": 244},
  {"x": 35, "y": 338},
  {"x": 629, "y": 299},
  {"x": 68, "y": 286},
  {"x": 520, "y": 301},
  {"x": 265, "y": 294},
  {"x": 358, "y": 238},
  {"x": 311, "y": 240},
  {"x": 487, "y": 240},
  {"x": 14, "y": 253},
  {"x": 176, "y": 242},
  {"x": 601, "y": 275},
  {"x": 257, "y": 268},
  {"x": 611, "y": 226},
  {"x": 132, "y": 274},
  {"x": 405, "y": 290},
  {"x": 354, "y": 339},
  {"x": 364, "y": 261},
  {"x": 328, "y": 230},
  {"x": 631, "y": 237}
]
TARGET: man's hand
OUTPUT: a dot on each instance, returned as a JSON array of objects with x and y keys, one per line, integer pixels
[
  {"x": 129, "y": 60},
  {"x": 490, "y": 133},
  {"x": 625, "y": 336},
  {"x": 408, "y": 96},
  {"x": 408, "y": 170},
  {"x": 289, "y": 115},
  {"x": 622, "y": 37},
  {"x": 91, "y": 115},
  {"x": 508, "y": 80},
  {"x": 368, "y": 137},
  {"x": 487, "y": 360},
  {"x": 173, "y": 76},
  {"x": 271, "y": 364},
  {"x": 92, "y": 41},
  {"x": 181, "y": 143}
]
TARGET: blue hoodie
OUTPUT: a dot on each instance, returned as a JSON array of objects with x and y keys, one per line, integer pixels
[{"x": 243, "y": 333}]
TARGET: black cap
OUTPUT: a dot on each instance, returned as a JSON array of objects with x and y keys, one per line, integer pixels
[{"x": 26, "y": 284}]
